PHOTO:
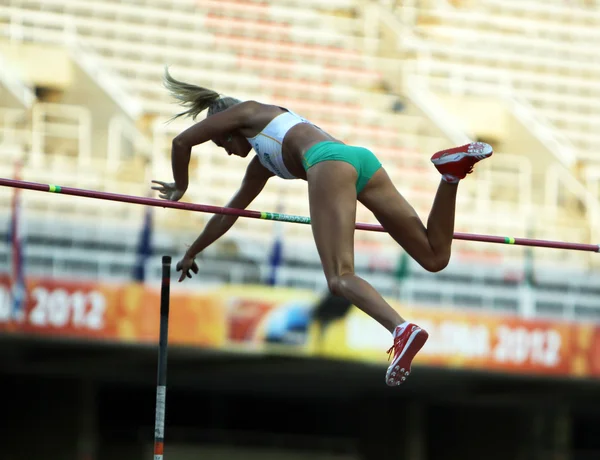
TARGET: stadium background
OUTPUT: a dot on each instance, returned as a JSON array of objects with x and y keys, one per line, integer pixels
[{"x": 262, "y": 364}]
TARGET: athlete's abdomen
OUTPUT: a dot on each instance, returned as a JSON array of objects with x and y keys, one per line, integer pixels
[{"x": 297, "y": 142}]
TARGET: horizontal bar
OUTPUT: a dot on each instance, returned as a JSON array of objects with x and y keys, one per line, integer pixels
[{"x": 274, "y": 216}]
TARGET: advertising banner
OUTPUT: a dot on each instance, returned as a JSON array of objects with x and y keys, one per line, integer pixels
[
  {"x": 111, "y": 312},
  {"x": 256, "y": 319},
  {"x": 467, "y": 340}
]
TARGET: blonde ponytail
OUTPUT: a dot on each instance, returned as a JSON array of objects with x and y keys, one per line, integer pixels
[{"x": 196, "y": 98}]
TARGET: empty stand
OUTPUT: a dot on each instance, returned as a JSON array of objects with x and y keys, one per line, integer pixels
[
  {"x": 308, "y": 56},
  {"x": 542, "y": 52}
]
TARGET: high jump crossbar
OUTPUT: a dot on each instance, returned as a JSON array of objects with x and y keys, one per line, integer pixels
[{"x": 273, "y": 215}]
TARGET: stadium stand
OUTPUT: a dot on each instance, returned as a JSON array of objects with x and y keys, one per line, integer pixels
[
  {"x": 99, "y": 123},
  {"x": 541, "y": 52}
]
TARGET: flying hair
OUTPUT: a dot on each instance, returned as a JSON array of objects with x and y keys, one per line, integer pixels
[{"x": 196, "y": 98}]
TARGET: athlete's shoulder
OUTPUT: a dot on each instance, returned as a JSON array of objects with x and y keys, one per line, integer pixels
[
  {"x": 247, "y": 108},
  {"x": 254, "y": 109}
]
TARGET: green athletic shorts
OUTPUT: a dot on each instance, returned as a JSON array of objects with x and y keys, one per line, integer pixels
[{"x": 363, "y": 160}]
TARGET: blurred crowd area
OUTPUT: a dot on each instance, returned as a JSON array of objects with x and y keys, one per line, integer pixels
[{"x": 82, "y": 105}]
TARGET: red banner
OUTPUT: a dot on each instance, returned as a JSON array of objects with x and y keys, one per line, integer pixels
[
  {"x": 113, "y": 312},
  {"x": 477, "y": 341},
  {"x": 259, "y": 318}
]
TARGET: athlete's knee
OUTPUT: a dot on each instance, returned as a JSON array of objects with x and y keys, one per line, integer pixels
[
  {"x": 436, "y": 263},
  {"x": 337, "y": 283}
]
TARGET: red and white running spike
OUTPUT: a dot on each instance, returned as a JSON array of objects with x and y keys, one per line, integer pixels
[
  {"x": 455, "y": 163},
  {"x": 407, "y": 343}
]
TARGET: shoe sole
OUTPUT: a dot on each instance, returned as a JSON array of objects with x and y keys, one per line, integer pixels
[
  {"x": 482, "y": 152},
  {"x": 402, "y": 367}
]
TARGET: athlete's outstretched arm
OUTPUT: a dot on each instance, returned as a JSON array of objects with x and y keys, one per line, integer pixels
[
  {"x": 253, "y": 183},
  {"x": 232, "y": 119}
]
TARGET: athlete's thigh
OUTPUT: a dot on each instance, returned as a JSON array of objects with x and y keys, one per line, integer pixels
[
  {"x": 395, "y": 214},
  {"x": 332, "y": 196}
]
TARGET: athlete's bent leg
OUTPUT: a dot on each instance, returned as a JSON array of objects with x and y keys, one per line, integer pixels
[{"x": 430, "y": 246}]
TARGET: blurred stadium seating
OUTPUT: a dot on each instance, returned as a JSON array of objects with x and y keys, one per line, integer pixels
[{"x": 396, "y": 85}]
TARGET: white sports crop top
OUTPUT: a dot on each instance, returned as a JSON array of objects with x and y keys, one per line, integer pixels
[{"x": 267, "y": 144}]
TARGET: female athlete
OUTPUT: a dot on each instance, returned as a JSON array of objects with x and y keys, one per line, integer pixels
[{"x": 338, "y": 175}]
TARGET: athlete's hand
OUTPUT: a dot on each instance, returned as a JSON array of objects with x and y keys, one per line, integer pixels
[
  {"x": 186, "y": 264},
  {"x": 168, "y": 190}
]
